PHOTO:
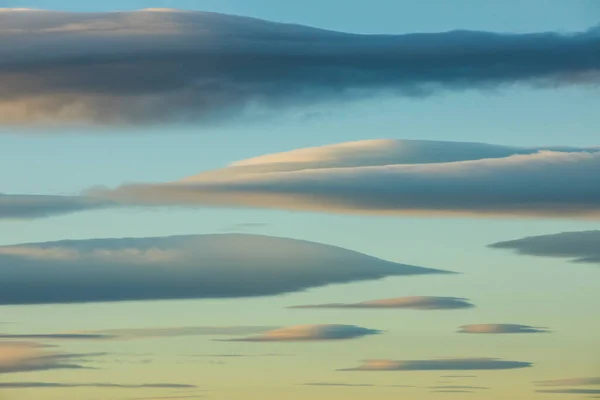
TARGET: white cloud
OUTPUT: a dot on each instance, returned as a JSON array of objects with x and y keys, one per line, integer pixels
[{"x": 179, "y": 267}]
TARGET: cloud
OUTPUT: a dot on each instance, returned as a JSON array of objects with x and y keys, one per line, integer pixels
[
  {"x": 501, "y": 328},
  {"x": 386, "y": 177},
  {"x": 416, "y": 303},
  {"x": 142, "y": 333},
  {"x": 571, "y": 382},
  {"x": 54, "y": 385},
  {"x": 581, "y": 247},
  {"x": 452, "y": 391},
  {"x": 337, "y": 384},
  {"x": 444, "y": 364},
  {"x": 244, "y": 226},
  {"x": 303, "y": 333},
  {"x": 26, "y": 357},
  {"x": 22, "y": 206},
  {"x": 459, "y": 387},
  {"x": 180, "y": 267},
  {"x": 148, "y": 66},
  {"x": 570, "y": 391}
]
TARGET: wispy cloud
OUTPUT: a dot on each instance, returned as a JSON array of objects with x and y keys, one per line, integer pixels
[
  {"x": 581, "y": 247},
  {"x": 387, "y": 177},
  {"x": 21, "y": 206},
  {"x": 571, "y": 382},
  {"x": 415, "y": 303},
  {"x": 303, "y": 333},
  {"x": 444, "y": 364},
  {"x": 179, "y": 267},
  {"x": 57, "y": 385},
  {"x": 501, "y": 328},
  {"x": 27, "y": 357},
  {"x": 146, "y": 66},
  {"x": 570, "y": 391},
  {"x": 337, "y": 384}
]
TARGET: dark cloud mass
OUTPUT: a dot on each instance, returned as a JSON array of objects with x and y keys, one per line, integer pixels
[
  {"x": 416, "y": 303},
  {"x": 15, "y": 206},
  {"x": 581, "y": 247},
  {"x": 180, "y": 267},
  {"x": 58, "y": 66},
  {"x": 443, "y": 364}
]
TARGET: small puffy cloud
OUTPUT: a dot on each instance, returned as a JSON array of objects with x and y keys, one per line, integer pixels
[
  {"x": 415, "y": 303},
  {"x": 571, "y": 382},
  {"x": 56, "y": 385},
  {"x": 570, "y": 391},
  {"x": 443, "y": 364},
  {"x": 180, "y": 267},
  {"x": 22, "y": 206},
  {"x": 302, "y": 333},
  {"x": 581, "y": 247},
  {"x": 383, "y": 177},
  {"x": 159, "y": 65},
  {"x": 25, "y": 357},
  {"x": 501, "y": 328}
]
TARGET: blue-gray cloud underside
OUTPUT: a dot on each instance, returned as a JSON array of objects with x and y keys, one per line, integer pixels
[
  {"x": 16, "y": 206},
  {"x": 310, "y": 333},
  {"x": 386, "y": 177},
  {"x": 501, "y": 329},
  {"x": 180, "y": 267},
  {"x": 144, "y": 66},
  {"x": 581, "y": 247},
  {"x": 447, "y": 364},
  {"x": 571, "y": 382},
  {"x": 414, "y": 303}
]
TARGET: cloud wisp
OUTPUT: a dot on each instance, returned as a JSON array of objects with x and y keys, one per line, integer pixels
[
  {"x": 146, "y": 66},
  {"x": 100, "y": 385},
  {"x": 180, "y": 267},
  {"x": 580, "y": 247},
  {"x": 570, "y": 391},
  {"x": 571, "y": 382},
  {"x": 311, "y": 333},
  {"x": 337, "y": 384},
  {"x": 27, "y": 357},
  {"x": 411, "y": 303},
  {"x": 444, "y": 364},
  {"x": 501, "y": 329},
  {"x": 394, "y": 177},
  {"x": 21, "y": 206}
]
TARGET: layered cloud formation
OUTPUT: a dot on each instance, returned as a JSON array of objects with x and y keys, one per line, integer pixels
[
  {"x": 501, "y": 328},
  {"x": 401, "y": 177},
  {"x": 414, "y": 303},
  {"x": 180, "y": 267},
  {"x": 582, "y": 247},
  {"x": 444, "y": 364},
  {"x": 147, "y": 66},
  {"x": 14, "y": 206},
  {"x": 303, "y": 333},
  {"x": 571, "y": 382},
  {"x": 26, "y": 357}
]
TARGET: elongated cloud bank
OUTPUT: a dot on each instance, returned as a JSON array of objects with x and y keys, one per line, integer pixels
[
  {"x": 581, "y": 247},
  {"x": 57, "y": 385},
  {"x": 147, "y": 66},
  {"x": 571, "y": 382},
  {"x": 180, "y": 267},
  {"x": 27, "y": 357},
  {"x": 445, "y": 364},
  {"x": 401, "y": 177},
  {"x": 501, "y": 328},
  {"x": 14, "y": 206},
  {"x": 304, "y": 333},
  {"x": 415, "y": 303}
]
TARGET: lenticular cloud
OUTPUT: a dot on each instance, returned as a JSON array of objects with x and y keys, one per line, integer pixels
[{"x": 159, "y": 65}]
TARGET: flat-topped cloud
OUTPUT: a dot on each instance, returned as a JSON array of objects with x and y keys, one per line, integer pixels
[
  {"x": 413, "y": 303},
  {"x": 180, "y": 267},
  {"x": 22, "y": 206},
  {"x": 581, "y": 247},
  {"x": 443, "y": 364},
  {"x": 383, "y": 177},
  {"x": 501, "y": 329},
  {"x": 310, "y": 333},
  {"x": 165, "y": 65}
]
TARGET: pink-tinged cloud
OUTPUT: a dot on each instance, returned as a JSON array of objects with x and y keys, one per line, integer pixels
[
  {"x": 302, "y": 333},
  {"x": 501, "y": 329},
  {"x": 443, "y": 364}
]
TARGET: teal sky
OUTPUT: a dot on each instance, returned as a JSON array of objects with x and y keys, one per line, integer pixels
[{"x": 506, "y": 287}]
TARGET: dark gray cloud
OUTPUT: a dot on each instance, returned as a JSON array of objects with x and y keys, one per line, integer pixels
[
  {"x": 337, "y": 384},
  {"x": 570, "y": 391},
  {"x": 387, "y": 177},
  {"x": 180, "y": 267},
  {"x": 501, "y": 328},
  {"x": 571, "y": 382},
  {"x": 416, "y": 303},
  {"x": 144, "y": 66},
  {"x": 303, "y": 333},
  {"x": 55, "y": 385},
  {"x": 581, "y": 247},
  {"x": 443, "y": 364},
  {"x": 21, "y": 206}
]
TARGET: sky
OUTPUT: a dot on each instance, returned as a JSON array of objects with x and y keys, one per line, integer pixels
[{"x": 210, "y": 316}]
